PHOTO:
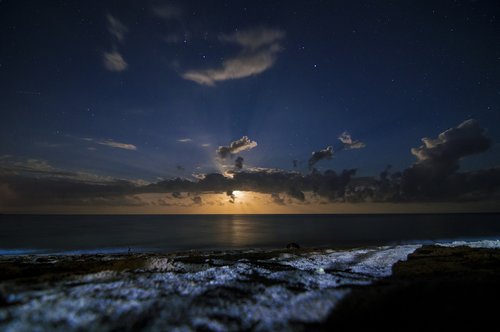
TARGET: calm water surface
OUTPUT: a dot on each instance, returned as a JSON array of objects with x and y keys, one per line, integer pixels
[{"x": 56, "y": 233}]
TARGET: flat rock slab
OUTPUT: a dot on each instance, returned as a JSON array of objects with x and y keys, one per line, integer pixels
[{"x": 436, "y": 288}]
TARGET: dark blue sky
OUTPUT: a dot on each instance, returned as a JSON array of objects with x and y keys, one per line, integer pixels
[{"x": 104, "y": 86}]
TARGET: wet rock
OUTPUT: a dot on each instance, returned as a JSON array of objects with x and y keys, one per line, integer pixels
[
  {"x": 3, "y": 297},
  {"x": 437, "y": 288},
  {"x": 258, "y": 290}
]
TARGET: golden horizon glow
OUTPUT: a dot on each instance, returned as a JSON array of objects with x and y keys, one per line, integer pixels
[
  {"x": 239, "y": 194},
  {"x": 245, "y": 202}
]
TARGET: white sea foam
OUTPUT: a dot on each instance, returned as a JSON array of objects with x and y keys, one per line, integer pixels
[
  {"x": 221, "y": 295},
  {"x": 473, "y": 244},
  {"x": 376, "y": 262}
]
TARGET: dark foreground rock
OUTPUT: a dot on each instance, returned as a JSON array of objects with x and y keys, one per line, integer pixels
[
  {"x": 305, "y": 289},
  {"x": 437, "y": 288}
]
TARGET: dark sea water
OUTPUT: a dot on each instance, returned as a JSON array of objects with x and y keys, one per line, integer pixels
[{"x": 70, "y": 233}]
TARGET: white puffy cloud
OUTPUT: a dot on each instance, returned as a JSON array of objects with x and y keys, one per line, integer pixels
[
  {"x": 453, "y": 144},
  {"x": 237, "y": 146}
]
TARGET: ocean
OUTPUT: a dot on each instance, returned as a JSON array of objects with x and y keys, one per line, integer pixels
[
  {"x": 169, "y": 233},
  {"x": 236, "y": 283}
]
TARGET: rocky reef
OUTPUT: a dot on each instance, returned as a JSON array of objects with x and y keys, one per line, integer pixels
[
  {"x": 437, "y": 288},
  {"x": 402, "y": 287}
]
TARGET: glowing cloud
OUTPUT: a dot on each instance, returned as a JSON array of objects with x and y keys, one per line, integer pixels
[{"x": 240, "y": 145}]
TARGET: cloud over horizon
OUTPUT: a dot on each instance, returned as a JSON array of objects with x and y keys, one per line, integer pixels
[
  {"x": 453, "y": 144},
  {"x": 434, "y": 177},
  {"x": 320, "y": 155},
  {"x": 238, "y": 163},
  {"x": 435, "y": 171},
  {"x": 235, "y": 147}
]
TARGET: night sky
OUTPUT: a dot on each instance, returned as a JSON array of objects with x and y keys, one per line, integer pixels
[{"x": 249, "y": 106}]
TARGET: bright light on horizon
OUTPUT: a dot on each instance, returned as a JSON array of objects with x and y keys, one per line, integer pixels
[{"x": 239, "y": 194}]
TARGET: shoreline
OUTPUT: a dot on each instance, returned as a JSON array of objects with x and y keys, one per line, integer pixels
[{"x": 402, "y": 287}]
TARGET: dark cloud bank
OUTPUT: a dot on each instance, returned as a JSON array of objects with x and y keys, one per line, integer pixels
[{"x": 434, "y": 177}]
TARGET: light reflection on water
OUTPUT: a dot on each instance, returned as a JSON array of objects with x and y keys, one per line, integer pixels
[{"x": 184, "y": 232}]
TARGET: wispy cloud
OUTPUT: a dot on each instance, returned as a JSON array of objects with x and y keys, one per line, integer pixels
[
  {"x": 173, "y": 38},
  {"x": 33, "y": 166},
  {"x": 167, "y": 11},
  {"x": 116, "y": 28},
  {"x": 34, "y": 182},
  {"x": 254, "y": 39},
  {"x": 42, "y": 168},
  {"x": 118, "y": 145},
  {"x": 259, "y": 49},
  {"x": 184, "y": 140},
  {"x": 49, "y": 144},
  {"x": 234, "y": 68},
  {"x": 112, "y": 143},
  {"x": 114, "y": 61},
  {"x": 349, "y": 142}
]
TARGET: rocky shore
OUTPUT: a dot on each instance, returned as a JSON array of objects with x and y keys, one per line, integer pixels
[
  {"x": 437, "y": 288},
  {"x": 430, "y": 288}
]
